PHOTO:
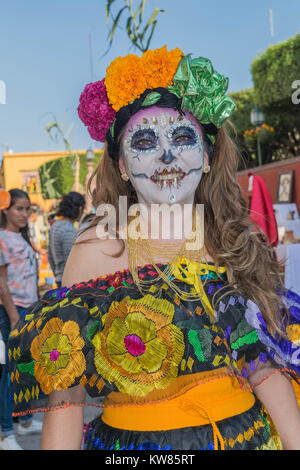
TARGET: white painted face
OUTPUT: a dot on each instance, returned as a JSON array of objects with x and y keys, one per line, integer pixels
[{"x": 163, "y": 155}]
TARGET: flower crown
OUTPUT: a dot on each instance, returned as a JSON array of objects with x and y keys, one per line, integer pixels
[{"x": 201, "y": 88}]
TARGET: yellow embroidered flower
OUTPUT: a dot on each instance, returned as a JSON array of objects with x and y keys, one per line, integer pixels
[
  {"x": 139, "y": 349},
  {"x": 58, "y": 355},
  {"x": 128, "y": 77},
  {"x": 160, "y": 66},
  {"x": 125, "y": 80}
]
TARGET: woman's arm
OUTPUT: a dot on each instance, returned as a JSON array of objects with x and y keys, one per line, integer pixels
[
  {"x": 63, "y": 427},
  {"x": 6, "y": 298},
  {"x": 278, "y": 396}
]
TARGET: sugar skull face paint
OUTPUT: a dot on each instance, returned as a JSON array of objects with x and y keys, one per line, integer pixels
[{"x": 163, "y": 154}]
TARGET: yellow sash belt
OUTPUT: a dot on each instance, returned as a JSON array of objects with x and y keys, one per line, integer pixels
[{"x": 203, "y": 404}]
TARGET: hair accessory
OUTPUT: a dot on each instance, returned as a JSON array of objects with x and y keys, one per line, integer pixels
[
  {"x": 5, "y": 199},
  {"x": 194, "y": 81},
  {"x": 95, "y": 110},
  {"x": 124, "y": 176},
  {"x": 203, "y": 91}
]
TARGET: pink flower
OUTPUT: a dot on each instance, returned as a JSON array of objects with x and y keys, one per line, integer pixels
[{"x": 95, "y": 111}]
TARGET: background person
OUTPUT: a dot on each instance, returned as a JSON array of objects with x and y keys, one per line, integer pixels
[
  {"x": 18, "y": 274},
  {"x": 62, "y": 233}
]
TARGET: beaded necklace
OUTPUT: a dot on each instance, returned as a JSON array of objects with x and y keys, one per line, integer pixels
[{"x": 184, "y": 265}]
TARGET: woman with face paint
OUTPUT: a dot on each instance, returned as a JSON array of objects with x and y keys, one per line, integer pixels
[{"x": 193, "y": 348}]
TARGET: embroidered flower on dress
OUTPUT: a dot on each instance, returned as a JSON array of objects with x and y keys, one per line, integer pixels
[
  {"x": 139, "y": 349},
  {"x": 285, "y": 352},
  {"x": 58, "y": 355}
]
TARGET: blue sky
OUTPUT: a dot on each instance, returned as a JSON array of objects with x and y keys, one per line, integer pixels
[{"x": 44, "y": 54}]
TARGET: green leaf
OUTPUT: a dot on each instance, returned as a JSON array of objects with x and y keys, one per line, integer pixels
[
  {"x": 195, "y": 342},
  {"x": 129, "y": 30},
  {"x": 154, "y": 14},
  {"x": 142, "y": 7},
  {"x": 108, "y": 7},
  {"x": 27, "y": 368},
  {"x": 150, "y": 35},
  {"x": 90, "y": 329},
  {"x": 134, "y": 23},
  {"x": 115, "y": 24},
  {"x": 112, "y": 128},
  {"x": 151, "y": 99},
  {"x": 249, "y": 338}
]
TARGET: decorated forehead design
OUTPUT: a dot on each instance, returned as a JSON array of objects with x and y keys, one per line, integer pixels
[{"x": 150, "y": 128}]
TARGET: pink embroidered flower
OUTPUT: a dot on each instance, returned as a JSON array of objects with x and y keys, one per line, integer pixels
[{"x": 95, "y": 111}]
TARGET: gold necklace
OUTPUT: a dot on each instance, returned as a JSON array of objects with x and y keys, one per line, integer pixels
[{"x": 142, "y": 251}]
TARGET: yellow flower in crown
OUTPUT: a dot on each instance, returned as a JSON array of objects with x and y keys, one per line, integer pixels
[
  {"x": 128, "y": 77},
  {"x": 58, "y": 355},
  {"x": 139, "y": 348}
]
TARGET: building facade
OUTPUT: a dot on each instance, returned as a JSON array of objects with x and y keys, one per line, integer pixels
[{"x": 21, "y": 170}]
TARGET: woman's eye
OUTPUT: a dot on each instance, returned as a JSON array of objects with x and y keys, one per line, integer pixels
[
  {"x": 184, "y": 136},
  {"x": 144, "y": 140}
]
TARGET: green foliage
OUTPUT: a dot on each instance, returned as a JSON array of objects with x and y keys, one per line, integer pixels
[
  {"x": 244, "y": 101},
  {"x": 139, "y": 32},
  {"x": 274, "y": 72},
  {"x": 273, "y": 75},
  {"x": 57, "y": 177}
]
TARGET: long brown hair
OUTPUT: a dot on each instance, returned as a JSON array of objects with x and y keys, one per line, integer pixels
[{"x": 231, "y": 237}]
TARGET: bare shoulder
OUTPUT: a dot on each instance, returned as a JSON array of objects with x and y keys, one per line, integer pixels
[{"x": 92, "y": 257}]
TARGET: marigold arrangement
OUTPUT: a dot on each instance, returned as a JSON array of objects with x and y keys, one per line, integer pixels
[
  {"x": 257, "y": 130},
  {"x": 264, "y": 132}
]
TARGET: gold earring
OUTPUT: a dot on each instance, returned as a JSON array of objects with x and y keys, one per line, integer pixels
[
  {"x": 124, "y": 176},
  {"x": 206, "y": 169}
]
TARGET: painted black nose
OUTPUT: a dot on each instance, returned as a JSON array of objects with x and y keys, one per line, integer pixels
[{"x": 167, "y": 158}]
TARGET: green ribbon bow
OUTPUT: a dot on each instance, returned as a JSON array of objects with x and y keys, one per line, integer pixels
[{"x": 203, "y": 91}]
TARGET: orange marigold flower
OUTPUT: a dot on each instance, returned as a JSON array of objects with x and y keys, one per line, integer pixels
[
  {"x": 128, "y": 77},
  {"x": 160, "y": 66},
  {"x": 125, "y": 80}
]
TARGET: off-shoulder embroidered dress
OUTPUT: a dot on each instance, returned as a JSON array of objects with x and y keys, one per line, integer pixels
[{"x": 174, "y": 372}]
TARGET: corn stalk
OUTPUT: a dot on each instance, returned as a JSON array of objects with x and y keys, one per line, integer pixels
[{"x": 140, "y": 32}]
